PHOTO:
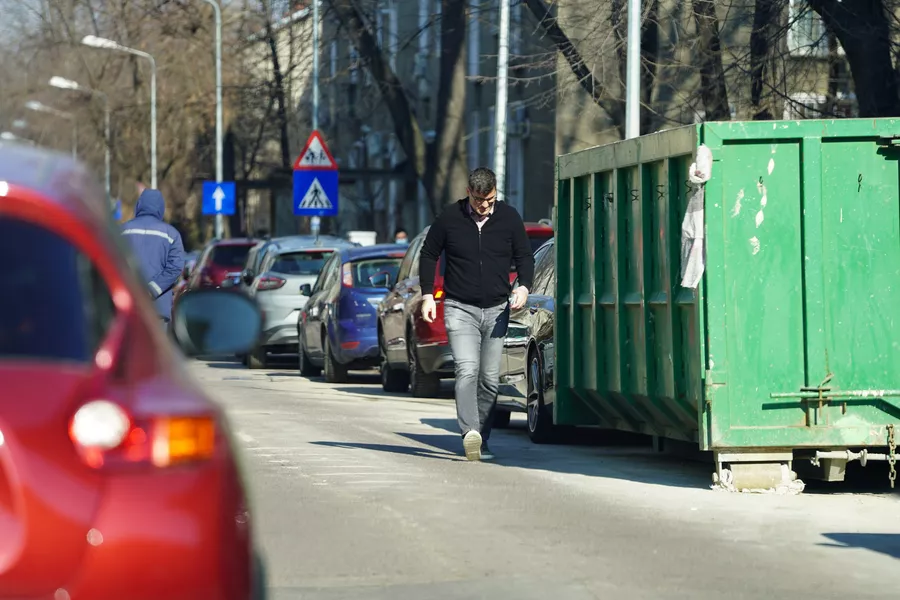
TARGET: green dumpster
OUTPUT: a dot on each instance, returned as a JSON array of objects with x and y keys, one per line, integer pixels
[{"x": 789, "y": 346}]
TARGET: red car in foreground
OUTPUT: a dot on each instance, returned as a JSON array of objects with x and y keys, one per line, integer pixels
[{"x": 118, "y": 476}]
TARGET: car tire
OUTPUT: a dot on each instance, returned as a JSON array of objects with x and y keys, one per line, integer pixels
[
  {"x": 501, "y": 418},
  {"x": 540, "y": 422},
  {"x": 335, "y": 372},
  {"x": 421, "y": 384},
  {"x": 258, "y": 359},
  {"x": 394, "y": 381},
  {"x": 307, "y": 369}
]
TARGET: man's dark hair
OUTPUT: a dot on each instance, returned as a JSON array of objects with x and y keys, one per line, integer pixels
[
  {"x": 482, "y": 181},
  {"x": 399, "y": 231}
]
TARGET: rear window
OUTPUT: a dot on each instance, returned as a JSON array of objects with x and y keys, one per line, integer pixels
[
  {"x": 538, "y": 239},
  {"x": 56, "y": 306},
  {"x": 308, "y": 262},
  {"x": 230, "y": 255},
  {"x": 363, "y": 269}
]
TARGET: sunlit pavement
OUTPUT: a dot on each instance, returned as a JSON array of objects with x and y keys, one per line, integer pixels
[{"x": 359, "y": 494}]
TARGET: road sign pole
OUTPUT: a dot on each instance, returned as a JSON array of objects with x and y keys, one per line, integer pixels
[{"x": 315, "y": 74}]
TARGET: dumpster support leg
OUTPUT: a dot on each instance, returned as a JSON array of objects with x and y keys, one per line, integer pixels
[{"x": 760, "y": 471}]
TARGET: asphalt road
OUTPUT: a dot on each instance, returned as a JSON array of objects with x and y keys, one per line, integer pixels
[{"x": 363, "y": 495}]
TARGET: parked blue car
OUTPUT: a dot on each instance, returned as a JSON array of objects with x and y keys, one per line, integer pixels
[{"x": 338, "y": 327}]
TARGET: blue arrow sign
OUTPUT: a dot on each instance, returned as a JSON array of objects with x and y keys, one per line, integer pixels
[
  {"x": 218, "y": 198},
  {"x": 316, "y": 193}
]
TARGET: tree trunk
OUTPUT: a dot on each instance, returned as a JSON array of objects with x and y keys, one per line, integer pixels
[
  {"x": 762, "y": 39},
  {"x": 863, "y": 29},
  {"x": 712, "y": 74},
  {"x": 583, "y": 75},
  {"x": 448, "y": 161},
  {"x": 280, "y": 98}
]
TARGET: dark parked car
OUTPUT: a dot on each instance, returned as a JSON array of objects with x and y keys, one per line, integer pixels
[{"x": 526, "y": 373}]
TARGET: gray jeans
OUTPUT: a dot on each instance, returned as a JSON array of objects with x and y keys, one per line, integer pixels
[{"x": 476, "y": 340}]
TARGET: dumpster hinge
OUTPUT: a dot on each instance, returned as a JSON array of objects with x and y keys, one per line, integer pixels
[{"x": 892, "y": 455}]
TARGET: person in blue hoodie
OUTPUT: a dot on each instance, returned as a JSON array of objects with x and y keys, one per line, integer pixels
[{"x": 158, "y": 249}]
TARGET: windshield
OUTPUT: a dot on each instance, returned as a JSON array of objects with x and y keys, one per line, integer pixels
[
  {"x": 230, "y": 255},
  {"x": 364, "y": 269},
  {"x": 307, "y": 262}
]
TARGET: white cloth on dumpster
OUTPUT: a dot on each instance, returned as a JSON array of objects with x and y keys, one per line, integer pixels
[{"x": 693, "y": 243}]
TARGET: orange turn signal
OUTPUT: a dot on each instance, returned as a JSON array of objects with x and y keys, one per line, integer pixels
[
  {"x": 439, "y": 294},
  {"x": 182, "y": 439}
]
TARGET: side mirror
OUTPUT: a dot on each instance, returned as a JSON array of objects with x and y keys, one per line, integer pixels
[
  {"x": 382, "y": 279},
  {"x": 306, "y": 290},
  {"x": 186, "y": 272},
  {"x": 247, "y": 278},
  {"x": 207, "y": 322}
]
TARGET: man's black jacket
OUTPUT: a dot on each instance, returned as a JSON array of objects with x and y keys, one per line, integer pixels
[{"x": 478, "y": 262}]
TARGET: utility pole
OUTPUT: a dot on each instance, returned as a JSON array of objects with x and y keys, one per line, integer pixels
[
  {"x": 500, "y": 110},
  {"x": 220, "y": 218},
  {"x": 633, "y": 76},
  {"x": 315, "y": 75}
]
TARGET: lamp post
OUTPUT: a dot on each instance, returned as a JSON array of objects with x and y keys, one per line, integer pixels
[
  {"x": 68, "y": 84},
  {"x": 98, "y": 42},
  {"x": 220, "y": 221},
  {"x": 38, "y": 107}
]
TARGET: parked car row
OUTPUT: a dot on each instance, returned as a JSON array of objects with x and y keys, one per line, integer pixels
[{"x": 341, "y": 307}]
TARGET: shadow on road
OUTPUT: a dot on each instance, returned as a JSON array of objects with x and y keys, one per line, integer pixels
[
  {"x": 885, "y": 543},
  {"x": 394, "y": 449}
]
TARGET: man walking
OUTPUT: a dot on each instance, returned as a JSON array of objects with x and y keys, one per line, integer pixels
[
  {"x": 158, "y": 249},
  {"x": 481, "y": 239}
]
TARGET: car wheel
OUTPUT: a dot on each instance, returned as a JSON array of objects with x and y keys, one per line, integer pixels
[
  {"x": 335, "y": 372},
  {"x": 501, "y": 418},
  {"x": 258, "y": 358},
  {"x": 393, "y": 380},
  {"x": 422, "y": 384},
  {"x": 540, "y": 422},
  {"x": 307, "y": 369}
]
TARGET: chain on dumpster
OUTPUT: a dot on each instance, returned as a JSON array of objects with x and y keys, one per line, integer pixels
[{"x": 892, "y": 459}]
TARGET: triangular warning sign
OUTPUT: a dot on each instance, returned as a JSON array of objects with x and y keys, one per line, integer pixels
[
  {"x": 315, "y": 155},
  {"x": 315, "y": 197}
]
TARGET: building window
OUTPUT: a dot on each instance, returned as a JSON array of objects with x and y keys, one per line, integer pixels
[
  {"x": 515, "y": 29},
  {"x": 474, "y": 49},
  {"x": 474, "y": 149},
  {"x": 807, "y": 35},
  {"x": 804, "y": 105},
  {"x": 438, "y": 9}
]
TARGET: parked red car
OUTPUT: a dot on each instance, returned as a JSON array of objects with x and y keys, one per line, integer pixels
[
  {"x": 220, "y": 260},
  {"x": 415, "y": 354},
  {"x": 118, "y": 476}
]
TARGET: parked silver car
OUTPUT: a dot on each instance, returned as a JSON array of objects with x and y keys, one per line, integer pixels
[{"x": 286, "y": 265}]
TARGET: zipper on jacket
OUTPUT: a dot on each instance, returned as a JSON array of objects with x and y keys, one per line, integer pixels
[{"x": 480, "y": 265}]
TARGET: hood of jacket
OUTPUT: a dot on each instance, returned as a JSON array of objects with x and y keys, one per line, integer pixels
[{"x": 150, "y": 204}]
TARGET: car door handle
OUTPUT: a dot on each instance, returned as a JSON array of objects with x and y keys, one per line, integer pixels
[
  {"x": 397, "y": 307},
  {"x": 533, "y": 309}
]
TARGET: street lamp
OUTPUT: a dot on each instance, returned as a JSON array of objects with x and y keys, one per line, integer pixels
[
  {"x": 103, "y": 43},
  {"x": 218, "y": 10},
  {"x": 68, "y": 84},
  {"x": 38, "y": 107}
]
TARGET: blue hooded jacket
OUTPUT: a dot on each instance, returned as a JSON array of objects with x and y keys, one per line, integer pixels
[{"x": 157, "y": 247}]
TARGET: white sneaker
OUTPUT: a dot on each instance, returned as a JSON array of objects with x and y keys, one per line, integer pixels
[{"x": 472, "y": 445}]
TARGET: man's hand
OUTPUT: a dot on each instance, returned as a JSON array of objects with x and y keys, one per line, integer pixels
[
  {"x": 521, "y": 296},
  {"x": 429, "y": 309}
]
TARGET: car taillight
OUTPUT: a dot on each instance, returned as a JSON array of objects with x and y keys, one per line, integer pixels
[
  {"x": 269, "y": 283},
  {"x": 346, "y": 275},
  {"x": 438, "y": 286},
  {"x": 105, "y": 435}
]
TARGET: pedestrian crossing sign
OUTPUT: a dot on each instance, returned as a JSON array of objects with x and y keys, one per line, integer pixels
[
  {"x": 315, "y": 180},
  {"x": 315, "y": 197},
  {"x": 315, "y": 193}
]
